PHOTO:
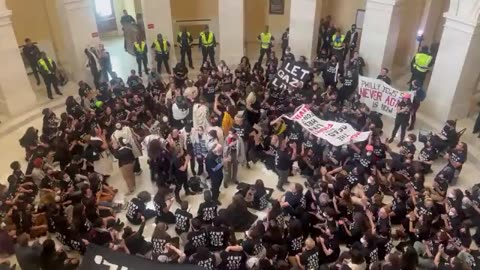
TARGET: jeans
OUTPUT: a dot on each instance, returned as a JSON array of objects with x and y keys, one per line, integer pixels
[{"x": 282, "y": 177}]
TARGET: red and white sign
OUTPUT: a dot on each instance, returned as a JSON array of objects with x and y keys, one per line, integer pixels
[
  {"x": 150, "y": 26},
  {"x": 333, "y": 132}
]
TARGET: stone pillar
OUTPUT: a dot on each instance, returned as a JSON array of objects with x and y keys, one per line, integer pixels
[
  {"x": 431, "y": 18},
  {"x": 379, "y": 35},
  {"x": 157, "y": 17},
  {"x": 304, "y": 23},
  {"x": 455, "y": 72},
  {"x": 231, "y": 33},
  {"x": 16, "y": 93},
  {"x": 81, "y": 32}
]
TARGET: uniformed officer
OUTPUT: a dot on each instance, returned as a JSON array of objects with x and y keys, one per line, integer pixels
[
  {"x": 48, "y": 69},
  {"x": 207, "y": 43},
  {"x": 351, "y": 41},
  {"x": 141, "y": 54},
  {"x": 162, "y": 48},
  {"x": 266, "y": 40},
  {"x": 421, "y": 64},
  {"x": 184, "y": 40},
  {"x": 338, "y": 45},
  {"x": 32, "y": 53},
  {"x": 285, "y": 38}
]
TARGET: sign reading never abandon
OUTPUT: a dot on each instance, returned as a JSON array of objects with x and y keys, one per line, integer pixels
[
  {"x": 379, "y": 96},
  {"x": 333, "y": 132},
  {"x": 289, "y": 74}
]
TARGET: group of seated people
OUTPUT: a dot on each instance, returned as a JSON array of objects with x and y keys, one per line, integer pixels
[{"x": 66, "y": 190}]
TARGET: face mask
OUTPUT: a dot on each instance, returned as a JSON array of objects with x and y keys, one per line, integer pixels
[
  {"x": 371, "y": 181},
  {"x": 369, "y": 154},
  {"x": 364, "y": 242}
]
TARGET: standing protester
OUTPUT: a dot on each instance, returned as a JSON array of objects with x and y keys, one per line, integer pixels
[
  {"x": 401, "y": 120},
  {"x": 266, "y": 40},
  {"x": 214, "y": 165},
  {"x": 384, "y": 76},
  {"x": 32, "y": 53},
  {"x": 141, "y": 54},
  {"x": 131, "y": 138},
  {"x": 351, "y": 41},
  {"x": 285, "y": 38},
  {"x": 283, "y": 159},
  {"x": 421, "y": 64},
  {"x": 126, "y": 160},
  {"x": 105, "y": 63},
  {"x": 162, "y": 48},
  {"x": 48, "y": 69},
  {"x": 184, "y": 40},
  {"x": 207, "y": 43},
  {"x": 124, "y": 21},
  {"x": 418, "y": 98},
  {"x": 94, "y": 64}
]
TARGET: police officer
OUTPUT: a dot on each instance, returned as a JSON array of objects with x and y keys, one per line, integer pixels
[
  {"x": 162, "y": 48},
  {"x": 207, "y": 43},
  {"x": 48, "y": 69},
  {"x": 32, "y": 53},
  {"x": 421, "y": 64},
  {"x": 184, "y": 40},
  {"x": 265, "y": 39},
  {"x": 141, "y": 54},
  {"x": 285, "y": 38},
  {"x": 351, "y": 39},
  {"x": 338, "y": 45}
]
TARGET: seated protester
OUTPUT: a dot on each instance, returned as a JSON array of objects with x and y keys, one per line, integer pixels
[
  {"x": 309, "y": 257},
  {"x": 426, "y": 157},
  {"x": 275, "y": 212},
  {"x": 162, "y": 204},
  {"x": 100, "y": 235},
  {"x": 369, "y": 248},
  {"x": 218, "y": 235},
  {"x": 182, "y": 220},
  {"x": 335, "y": 157},
  {"x": 407, "y": 148},
  {"x": 352, "y": 231},
  {"x": 426, "y": 207},
  {"x": 237, "y": 215},
  {"x": 399, "y": 208},
  {"x": 261, "y": 195},
  {"x": 207, "y": 211},
  {"x": 50, "y": 258},
  {"x": 160, "y": 238},
  {"x": 383, "y": 232},
  {"x": 447, "y": 138},
  {"x": 308, "y": 163},
  {"x": 134, "y": 81},
  {"x": 93, "y": 212},
  {"x": 27, "y": 222},
  {"x": 273, "y": 234},
  {"x": 204, "y": 258},
  {"x": 292, "y": 199},
  {"x": 456, "y": 158},
  {"x": 328, "y": 243},
  {"x": 135, "y": 241},
  {"x": 294, "y": 240},
  {"x": 173, "y": 256},
  {"x": 233, "y": 257},
  {"x": 253, "y": 245},
  {"x": 438, "y": 192},
  {"x": 136, "y": 209},
  {"x": 197, "y": 237}
]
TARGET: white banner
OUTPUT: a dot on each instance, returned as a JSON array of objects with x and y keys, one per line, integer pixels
[
  {"x": 379, "y": 96},
  {"x": 333, "y": 132}
]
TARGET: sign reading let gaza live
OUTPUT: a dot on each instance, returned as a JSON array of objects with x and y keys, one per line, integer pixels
[{"x": 289, "y": 74}]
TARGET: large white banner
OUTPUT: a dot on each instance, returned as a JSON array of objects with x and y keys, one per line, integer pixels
[
  {"x": 333, "y": 132},
  {"x": 379, "y": 96}
]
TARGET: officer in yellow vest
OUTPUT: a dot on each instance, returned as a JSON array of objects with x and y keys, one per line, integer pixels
[
  {"x": 48, "y": 69},
  {"x": 184, "y": 40},
  {"x": 141, "y": 51},
  {"x": 265, "y": 40},
  {"x": 421, "y": 64},
  {"x": 161, "y": 47},
  {"x": 338, "y": 45},
  {"x": 207, "y": 43}
]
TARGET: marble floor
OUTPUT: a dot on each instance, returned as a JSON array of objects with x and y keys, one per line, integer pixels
[{"x": 122, "y": 63}]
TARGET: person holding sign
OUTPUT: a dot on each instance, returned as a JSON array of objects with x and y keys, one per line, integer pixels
[
  {"x": 401, "y": 120},
  {"x": 266, "y": 40}
]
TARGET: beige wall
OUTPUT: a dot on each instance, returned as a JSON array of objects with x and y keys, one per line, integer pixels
[
  {"x": 278, "y": 23},
  {"x": 194, "y": 10},
  {"x": 255, "y": 19},
  {"x": 343, "y": 12},
  {"x": 29, "y": 19}
]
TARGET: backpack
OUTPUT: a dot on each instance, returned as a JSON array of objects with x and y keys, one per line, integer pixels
[{"x": 195, "y": 184}]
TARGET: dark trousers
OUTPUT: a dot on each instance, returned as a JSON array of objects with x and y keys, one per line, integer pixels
[
  {"x": 188, "y": 51},
  {"x": 209, "y": 52},
  {"x": 136, "y": 166},
  {"x": 201, "y": 165},
  {"x": 179, "y": 183},
  {"x": 476, "y": 127},
  {"x": 142, "y": 59},
  {"x": 216, "y": 183},
  {"x": 413, "y": 113},
  {"x": 34, "y": 67},
  {"x": 263, "y": 51},
  {"x": 105, "y": 72},
  {"x": 162, "y": 58},
  {"x": 51, "y": 80},
  {"x": 96, "y": 77},
  {"x": 400, "y": 123},
  {"x": 418, "y": 76},
  {"x": 283, "y": 53}
]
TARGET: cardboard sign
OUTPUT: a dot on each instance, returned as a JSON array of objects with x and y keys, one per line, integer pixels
[
  {"x": 379, "y": 96},
  {"x": 150, "y": 26},
  {"x": 289, "y": 74},
  {"x": 335, "y": 133}
]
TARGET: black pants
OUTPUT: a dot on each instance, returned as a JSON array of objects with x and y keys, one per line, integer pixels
[
  {"x": 107, "y": 70},
  {"x": 216, "y": 183},
  {"x": 142, "y": 59},
  {"x": 168, "y": 218},
  {"x": 201, "y": 165},
  {"x": 476, "y": 127},
  {"x": 263, "y": 51},
  {"x": 209, "y": 52},
  {"x": 136, "y": 166},
  {"x": 96, "y": 77},
  {"x": 51, "y": 80},
  {"x": 283, "y": 53},
  {"x": 162, "y": 58},
  {"x": 34, "y": 67},
  {"x": 418, "y": 76},
  {"x": 181, "y": 181},
  {"x": 402, "y": 123},
  {"x": 188, "y": 51}
]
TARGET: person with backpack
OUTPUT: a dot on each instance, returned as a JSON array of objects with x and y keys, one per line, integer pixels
[{"x": 419, "y": 97}]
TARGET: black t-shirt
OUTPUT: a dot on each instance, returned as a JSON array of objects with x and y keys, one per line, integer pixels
[
  {"x": 407, "y": 148},
  {"x": 457, "y": 156},
  {"x": 282, "y": 160},
  {"x": 401, "y": 105},
  {"x": 177, "y": 164},
  {"x": 218, "y": 237},
  {"x": 197, "y": 238},
  {"x": 310, "y": 258},
  {"x": 427, "y": 154},
  {"x": 159, "y": 203},
  {"x": 242, "y": 130},
  {"x": 159, "y": 245},
  {"x": 135, "y": 209},
  {"x": 209, "y": 92},
  {"x": 208, "y": 264},
  {"x": 207, "y": 211},
  {"x": 295, "y": 245},
  {"x": 182, "y": 220},
  {"x": 232, "y": 260}
]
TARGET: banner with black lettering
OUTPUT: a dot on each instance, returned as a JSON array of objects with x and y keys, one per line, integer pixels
[
  {"x": 333, "y": 132},
  {"x": 101, "y": 258},
  {"x": 379, "y": 96},
  {"x": 289, "y": 74}
]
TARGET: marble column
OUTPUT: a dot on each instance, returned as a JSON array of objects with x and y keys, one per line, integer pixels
[
  {"x": 431, "y": 18},
  {"x": 80, "y": 32},
  {"x": 455, "y": 73},
  {"x": 157, "y": 17},
  {"x": 379, "y": 35},
  {"x": 16, "y": 93},
  {"x": 231, "y": 34},
  {"x": 304, "y": 24}
]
